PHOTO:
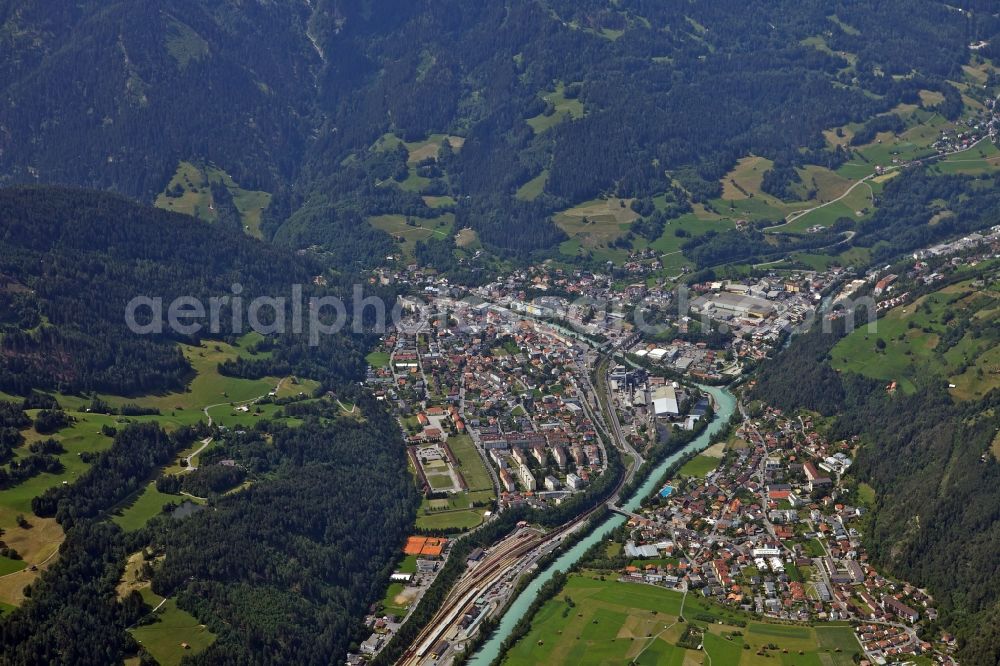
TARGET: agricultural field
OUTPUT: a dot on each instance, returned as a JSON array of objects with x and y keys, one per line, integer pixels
[
  {"x": 9, "y": 566},
  {"x": 431, "y": 147},
  {"x": 595, "y": 225},
  {"x": 742, "y": 197},
  {"x": 467, "y": 239},
  {"x": 441, "y": 201},
  {"x": 855, "y": 256},
  {"x": 855, "y": 205},
  {"x": 38, "y": 544},
  {"x": 208, "y": 388},
  {"x": 984, "y": 158},
  {"x": 193, "y": 182},
  {"x": 593, "y": 621},
  {"x": 743, "y": 182},
  {"x": 950, "y": 334},
  {"x": 417, "y": 151},
  {"x": 413, "y": 182},
  {"x": 741, "y": 189},
  {"x": 820, "y": 192},
  {"x": 824, "y": 183},
  {"x": 696, "y": 223}
]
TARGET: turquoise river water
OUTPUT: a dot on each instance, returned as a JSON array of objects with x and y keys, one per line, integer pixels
[{"x": 725, "y": 404}]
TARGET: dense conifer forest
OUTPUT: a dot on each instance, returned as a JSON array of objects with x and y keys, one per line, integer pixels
[
  {"x": 313, "y": 536},
  {"x": 70, "y": 261},
  {"x": 293, "y": 99}
]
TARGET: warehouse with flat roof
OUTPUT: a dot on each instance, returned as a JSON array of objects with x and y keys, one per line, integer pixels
[{"x": 736, "y": 304}]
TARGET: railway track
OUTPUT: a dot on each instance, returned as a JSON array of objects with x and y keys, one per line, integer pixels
[
  {"x": 486, "y": 574},
  {"x": 489, "y": 571}
]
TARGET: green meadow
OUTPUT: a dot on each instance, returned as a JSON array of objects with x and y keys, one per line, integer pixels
[
  {"x": 563, "y": 108},
  {"x": 137, "y": 511},
  {"x": 908, "y": 343},
  {"x": 407, "y": 235},
  {"x": 222, "y": 397},
  {"x": 597, "y": 622},
  {"x": 172, "y": 634},
  {"x": 194, "y": 184},
  {"x": 532, "y": 189}
]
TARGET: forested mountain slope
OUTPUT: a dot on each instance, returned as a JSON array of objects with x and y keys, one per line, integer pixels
[
  {"x": 114, "y": 94},
  {"x": 931, "y": 462},
  {"x": 71, "y": 260},
  {"x": 283, "y": 566},
  {"x": 293, "y": 98}
]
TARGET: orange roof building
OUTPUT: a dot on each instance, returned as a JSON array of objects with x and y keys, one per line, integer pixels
[{"x": 425, "y": 546}]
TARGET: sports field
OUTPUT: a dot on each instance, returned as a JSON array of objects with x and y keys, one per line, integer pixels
[
  {"x": 700, "y": 466},
  {"x": 458, "y": 510},
  {"x": 470, "y": 464},
  {"x": 594, "y": 622},
  {"x": 378, "y": 359}
]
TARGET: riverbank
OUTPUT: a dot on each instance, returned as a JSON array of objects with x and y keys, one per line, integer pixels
[{"x": 491, "y": 649}]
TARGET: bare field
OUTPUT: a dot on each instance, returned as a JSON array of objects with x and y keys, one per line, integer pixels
[{"x": 597, "y": 223}]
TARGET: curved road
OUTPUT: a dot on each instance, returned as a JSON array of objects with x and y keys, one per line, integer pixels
[
  {"x": 795, "y": 215},
  {"x": 801, "y": 213}
]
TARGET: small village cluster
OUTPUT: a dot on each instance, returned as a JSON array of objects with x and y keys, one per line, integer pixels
[
  {"x": 930, "y": 266},
  {"x": 772, "y": 530}
]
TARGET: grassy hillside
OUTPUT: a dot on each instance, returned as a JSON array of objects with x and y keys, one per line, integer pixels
[
  {"x": 950, "y": 334},
  {"x": 340, "y": 113},
  {"x": 189, "y": 192}
]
